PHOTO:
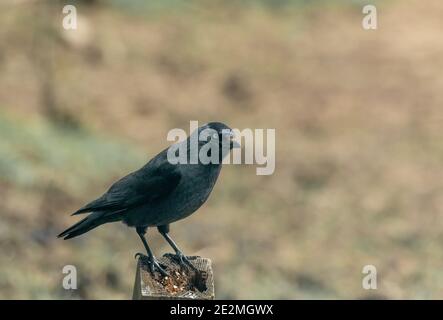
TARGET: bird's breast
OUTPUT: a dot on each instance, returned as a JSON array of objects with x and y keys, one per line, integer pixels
[{"x": 191, "y": 193}]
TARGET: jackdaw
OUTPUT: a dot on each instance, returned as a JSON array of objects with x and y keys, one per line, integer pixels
[{"x": 162, "y": 191}]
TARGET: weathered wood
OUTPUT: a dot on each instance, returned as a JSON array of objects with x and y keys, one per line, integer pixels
[{"x": 183, "y": 283}]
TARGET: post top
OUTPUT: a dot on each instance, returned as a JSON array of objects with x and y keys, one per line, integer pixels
[{"x": 183, "y": 282}]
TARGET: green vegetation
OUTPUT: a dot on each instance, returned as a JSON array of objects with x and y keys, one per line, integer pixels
[{"x": 35, "y": 152}]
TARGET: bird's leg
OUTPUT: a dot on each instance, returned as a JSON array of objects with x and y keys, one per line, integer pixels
[
  {"x": 181, "y": 257},
  {"x": 152, "y": 261}
]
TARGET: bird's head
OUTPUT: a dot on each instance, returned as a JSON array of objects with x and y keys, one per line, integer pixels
[
  {"x": 212, "y": 137},
  {"x": 219, "y": 133}
]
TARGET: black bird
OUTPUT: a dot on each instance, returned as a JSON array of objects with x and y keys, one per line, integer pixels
[{"x": 160, "y": 192}]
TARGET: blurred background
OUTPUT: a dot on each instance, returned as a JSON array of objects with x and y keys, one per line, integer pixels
[{"x": 358, "y": 118}]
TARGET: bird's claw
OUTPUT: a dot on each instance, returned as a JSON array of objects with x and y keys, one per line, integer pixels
[
  {"x": 153, "y": 264},
  {"x": 138, "y": 255},
  {"x": 183, "y": 260}
]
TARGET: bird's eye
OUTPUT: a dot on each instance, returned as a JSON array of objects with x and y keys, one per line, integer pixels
[{"x": 215, "y": 136}]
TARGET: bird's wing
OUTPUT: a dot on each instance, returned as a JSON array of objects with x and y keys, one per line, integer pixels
[{"x": 154, "y": 181}]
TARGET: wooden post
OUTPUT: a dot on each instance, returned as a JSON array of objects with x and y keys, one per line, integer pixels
[{"x": 184, "y": 283}]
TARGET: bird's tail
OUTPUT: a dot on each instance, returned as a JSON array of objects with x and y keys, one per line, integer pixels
[{"x": 92, "y": 221}]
